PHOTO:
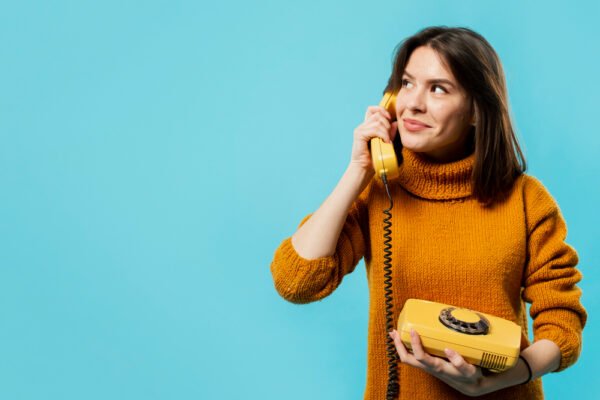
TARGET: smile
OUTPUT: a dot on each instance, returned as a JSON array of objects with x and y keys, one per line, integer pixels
[{"x": 414, "y": 126}]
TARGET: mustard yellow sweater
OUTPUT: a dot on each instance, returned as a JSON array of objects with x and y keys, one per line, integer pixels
[{"x": 449, "y": 249}]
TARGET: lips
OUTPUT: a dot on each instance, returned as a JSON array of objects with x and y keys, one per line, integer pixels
[{"x": 414, "y": 125}]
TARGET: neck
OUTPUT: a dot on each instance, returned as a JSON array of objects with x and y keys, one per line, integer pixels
[
  {"x": 430, "y": 179},
  {"x": 456, "y": 151}
]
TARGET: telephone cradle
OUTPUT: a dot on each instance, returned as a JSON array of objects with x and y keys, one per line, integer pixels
[{"x": 481, "y": 339}]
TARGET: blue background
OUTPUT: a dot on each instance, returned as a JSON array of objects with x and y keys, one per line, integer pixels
[{"x": 155, "y": 153}]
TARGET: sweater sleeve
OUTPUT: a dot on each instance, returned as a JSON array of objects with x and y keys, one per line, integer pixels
[
  {"x": 550, "y": 275},
  {"x": 301, "y": 280}
]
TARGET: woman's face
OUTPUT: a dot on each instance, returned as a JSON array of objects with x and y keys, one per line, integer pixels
[{"x": 438, "y": 106}]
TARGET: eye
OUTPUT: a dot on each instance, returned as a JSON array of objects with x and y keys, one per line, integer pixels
[
  {"x": 405, "y": 83},
  {"x": 439, "y": 87}
]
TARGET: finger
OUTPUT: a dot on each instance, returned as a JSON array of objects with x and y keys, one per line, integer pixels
[
  {"x": 387, "y": 114},
  {"x": 418, "y": 350},
  {"x": 377, "y": 109},
  {"x": 382, "y": 126},
  {"x": 386, "y": 127},
  {"x": 383, "y": 112},
  {"x": 417, "y": 346},
  {"x": 379, "y": 119},
  {"x": 408, "y": 358},
  {"x": 371, "y": 130},
  {"x": 402, "y": 352},
  {"x": 405, "y": 356},
  {"x": 460, "y": 364}
]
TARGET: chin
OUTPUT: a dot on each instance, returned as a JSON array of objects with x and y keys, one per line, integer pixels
[{"x": 414, "y": 144}]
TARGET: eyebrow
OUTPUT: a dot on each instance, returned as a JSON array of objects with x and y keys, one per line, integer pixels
[{"x": 446, "y": 81}]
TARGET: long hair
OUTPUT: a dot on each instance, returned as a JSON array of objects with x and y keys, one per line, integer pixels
[{"x": 477, "y": 68}]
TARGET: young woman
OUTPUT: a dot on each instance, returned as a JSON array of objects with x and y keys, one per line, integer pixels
[{"x": 471, "y": 229}]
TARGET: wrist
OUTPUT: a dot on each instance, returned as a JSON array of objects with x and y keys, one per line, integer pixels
[
  {"x": 360, "y": 168},
  {"x": 359, "y": 174},
  {"x": 517, "y": 375},
  {"x": 529, "y": 371}
]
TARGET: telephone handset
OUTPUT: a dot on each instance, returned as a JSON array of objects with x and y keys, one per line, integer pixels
[{"x": 383, "y": 154}]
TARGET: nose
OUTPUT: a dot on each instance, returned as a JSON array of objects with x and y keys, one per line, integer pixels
[{"x": 416, "y": 100}]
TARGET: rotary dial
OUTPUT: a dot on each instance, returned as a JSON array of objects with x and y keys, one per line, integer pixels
[{"x": 464, "y": 321}]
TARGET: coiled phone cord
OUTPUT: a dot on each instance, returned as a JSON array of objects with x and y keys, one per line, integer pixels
[{"x": 393, "y": 385}]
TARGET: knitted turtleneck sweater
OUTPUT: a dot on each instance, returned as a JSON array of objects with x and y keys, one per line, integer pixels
[{"x": 448, "y": 248}]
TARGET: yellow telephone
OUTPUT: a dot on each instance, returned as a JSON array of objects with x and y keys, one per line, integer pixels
[
  {"x": 495, "y": 346},
  {"x": 481, "y": 339}
]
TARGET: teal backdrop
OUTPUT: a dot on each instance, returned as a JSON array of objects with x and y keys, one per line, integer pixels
[{"x": 155, "y": 153}]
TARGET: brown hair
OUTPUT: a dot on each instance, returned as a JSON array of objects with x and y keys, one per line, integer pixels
[{"x": 474, "y": 63}]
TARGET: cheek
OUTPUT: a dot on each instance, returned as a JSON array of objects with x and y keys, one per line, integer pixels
[
  {"x": 440, "y": 110},
  {"x": 400, "y": 107},
  {"x": 447, "y": 115}
]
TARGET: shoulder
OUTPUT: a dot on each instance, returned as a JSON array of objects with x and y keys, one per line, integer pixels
[
  {"x": 539, "y": 205},
  {"x": 535, "y": 192},
  {"x": 524, "y": 190}
]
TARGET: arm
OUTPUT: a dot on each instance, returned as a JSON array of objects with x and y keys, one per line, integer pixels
[
  {"x": 319, "y": 235},
  {"x": 327, "y": 245},
  {"x": 550, "y": 278},
  {"x": 549, "y": 282}
]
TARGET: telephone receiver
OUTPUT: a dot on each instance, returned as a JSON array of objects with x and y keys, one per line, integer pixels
[{"x": 383, "y": 154}]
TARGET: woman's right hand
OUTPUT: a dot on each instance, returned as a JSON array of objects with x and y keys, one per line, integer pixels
[{"x": 376, "y": 124}]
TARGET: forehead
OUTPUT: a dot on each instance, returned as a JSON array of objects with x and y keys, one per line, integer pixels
[{"x": 426, "y": 63}]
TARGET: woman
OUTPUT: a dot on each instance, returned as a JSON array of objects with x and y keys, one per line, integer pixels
[{"x": 471, "y": 229}]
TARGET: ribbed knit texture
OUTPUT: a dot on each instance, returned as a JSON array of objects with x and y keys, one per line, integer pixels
[{"x": 449, "y": 249}]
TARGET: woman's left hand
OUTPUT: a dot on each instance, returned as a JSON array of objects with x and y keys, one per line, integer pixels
[{"x": 459, "y": 374}]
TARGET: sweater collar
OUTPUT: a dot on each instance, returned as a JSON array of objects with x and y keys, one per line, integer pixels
[{"x": 425, "y": 178}]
